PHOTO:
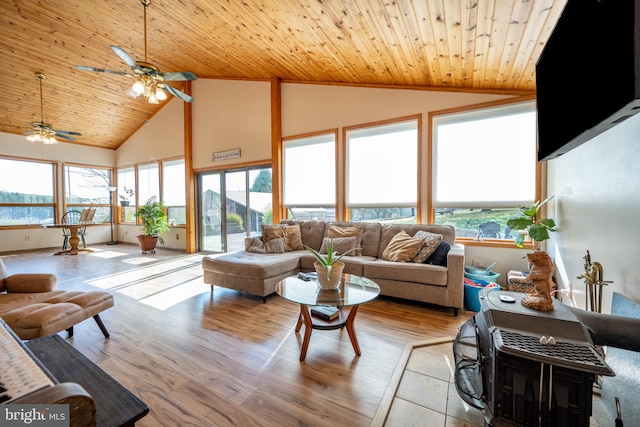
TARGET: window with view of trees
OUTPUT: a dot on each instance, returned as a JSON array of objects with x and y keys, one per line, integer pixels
[
  {"x": 87, "y": 188},
  {"x": 382, "y": 171},
  {"x": 309, "y": 163},
  {"x": 26, "y": 192},
  {"x": 497, "y": 145}
]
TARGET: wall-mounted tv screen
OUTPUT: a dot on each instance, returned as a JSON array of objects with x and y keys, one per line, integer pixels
[{"x": 587, "y": 77}]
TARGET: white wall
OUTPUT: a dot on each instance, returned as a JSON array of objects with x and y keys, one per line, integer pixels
[
  {"x": 18, "y": 146},
  {"x": 597, "y": 188},
  {"x": 161, "y": 138},
  {"x": 230, "y": 114}
]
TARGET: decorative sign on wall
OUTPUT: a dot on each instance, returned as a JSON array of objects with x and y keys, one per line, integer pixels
[{"x": 225, "y": 155}]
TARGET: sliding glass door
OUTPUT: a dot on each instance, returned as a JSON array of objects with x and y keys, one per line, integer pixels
[
  {"x": 211, "y": 208},
  {"x": 232, "y": 205}
]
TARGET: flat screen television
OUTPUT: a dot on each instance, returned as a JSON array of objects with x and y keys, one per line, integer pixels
[{"x": 588, "y": 75}]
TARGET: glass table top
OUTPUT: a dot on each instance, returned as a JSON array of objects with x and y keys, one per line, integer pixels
[{"x": 353, "y": 290}]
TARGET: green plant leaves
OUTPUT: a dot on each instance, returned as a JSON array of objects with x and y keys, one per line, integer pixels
[
  {"x": 153, "y": 218},
  {"x": 537, "y": 228},
  {"x": 538, "y": 232},
  {"x": 520, "y": 223}
]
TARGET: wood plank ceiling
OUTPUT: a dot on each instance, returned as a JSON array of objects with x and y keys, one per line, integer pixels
[{"x": 475, "y": 45}]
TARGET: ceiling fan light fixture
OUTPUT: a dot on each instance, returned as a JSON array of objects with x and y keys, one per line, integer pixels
[
  {"x": 49, "y": 140},
  {"x": 44, "y": 132},
  {"x": 42, "y": 136},
  {"x": 138, "y": 88},
  {"x": 160, "y": 94},
  {"x": 147, "y": 75}
]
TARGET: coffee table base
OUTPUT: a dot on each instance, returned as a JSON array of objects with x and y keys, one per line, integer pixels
[{"x": 345, "y": 319}]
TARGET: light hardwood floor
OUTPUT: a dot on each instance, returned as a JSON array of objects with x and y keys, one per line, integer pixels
[{"x": 222, "y": 358}]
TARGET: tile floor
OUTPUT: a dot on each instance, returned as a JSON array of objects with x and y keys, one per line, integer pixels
[{"x": 427, "y": 396}]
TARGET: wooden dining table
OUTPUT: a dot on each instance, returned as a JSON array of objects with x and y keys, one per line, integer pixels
[{"x": 73, "y": 238}]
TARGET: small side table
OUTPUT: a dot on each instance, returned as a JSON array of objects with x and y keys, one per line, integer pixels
[{"x": 353, "y": 291}]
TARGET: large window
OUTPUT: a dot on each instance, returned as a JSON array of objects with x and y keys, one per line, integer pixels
[
  {"x": 309, "y": 176},
  {"x": 26, "y": 192},
  {"x": 382, "y": 172},
  {"x": 127, "y": 194},
  {"x": 87, "y": 187},
  {"x": 484, "y": 167},
  {"x": 173, "y": 191},
  {"x": 137, "y": 184},
  {"x": 148, "y": 182}
]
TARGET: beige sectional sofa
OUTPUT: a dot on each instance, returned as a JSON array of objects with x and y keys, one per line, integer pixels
[{"x": 258, "y": 273}]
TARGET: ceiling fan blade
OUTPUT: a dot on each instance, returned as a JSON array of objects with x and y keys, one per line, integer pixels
[
  {"x": 178, "y": 76},
  {"x": 66, "y": 132},
  {"x": 102, "y": 70},
  {"x": 175, "y": 92},
  {"x": 126, "y": 58},
  {"x": 68, "y": 138}
]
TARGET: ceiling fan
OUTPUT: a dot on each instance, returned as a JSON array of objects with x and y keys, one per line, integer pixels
[
  {"x": 44, "y": 132},
  {"x": 149, "y": 79}
]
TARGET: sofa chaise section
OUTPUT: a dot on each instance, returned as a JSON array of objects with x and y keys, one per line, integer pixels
[{"x": 253, "y": 273}]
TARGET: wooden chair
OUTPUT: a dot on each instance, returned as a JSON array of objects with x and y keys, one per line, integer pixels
[{"x": 72, "y": 217}]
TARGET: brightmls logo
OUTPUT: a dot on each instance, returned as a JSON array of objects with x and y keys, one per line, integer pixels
[{"x": 35, "y": 415}]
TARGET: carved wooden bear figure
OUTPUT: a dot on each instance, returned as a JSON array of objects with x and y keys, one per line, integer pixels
[{"x": 541, "y": 270}]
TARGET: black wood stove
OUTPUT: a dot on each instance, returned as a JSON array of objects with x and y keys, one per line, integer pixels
[{"x": 524, "y": 367}]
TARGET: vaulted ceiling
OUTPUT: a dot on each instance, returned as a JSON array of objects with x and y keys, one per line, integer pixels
[{"x": 475, "y": 45}]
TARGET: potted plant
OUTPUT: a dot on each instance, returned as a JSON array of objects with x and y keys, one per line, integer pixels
[
  {"x": 153, "y": 219},
  {"x": 126, "y": 194},
  {"x": 530, "y": 223},
  {"x": 328, "y": 266}
]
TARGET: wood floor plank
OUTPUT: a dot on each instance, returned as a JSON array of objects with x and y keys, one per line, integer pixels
[{"x": 223, "y": 358}]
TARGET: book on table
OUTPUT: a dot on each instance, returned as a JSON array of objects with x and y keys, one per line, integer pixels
[{"x": 325, "y": 313}]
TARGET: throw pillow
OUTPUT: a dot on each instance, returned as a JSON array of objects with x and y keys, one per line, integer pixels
[
  {"x": 340, "y": 245},
  {"x": 256, "y": 246},
  {"x": 291, "y": 234},
  {"x": 402, "y": 247},
  {"x": 439, "y": 256},
  {"x": 275, "y": 246},
  {"x": 429, "y": 245},
  {"x": 337, "y": 231}
]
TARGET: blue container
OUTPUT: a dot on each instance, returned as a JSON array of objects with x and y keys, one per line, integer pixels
[
  {"x": 471, "y": 300},
  {"x": 490, "y": 276}
]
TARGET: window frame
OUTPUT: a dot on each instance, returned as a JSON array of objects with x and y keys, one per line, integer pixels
[
  {"x": 53, "y": 205},
  {"x": 163, "y": 190},
  {"x": 326, "y": 208},
  {"x": 368, "y": 128},
  {"x": 126, "y": 211},
  {"x": 100, "y": 206},
  {"x": 539, "y": 170}
]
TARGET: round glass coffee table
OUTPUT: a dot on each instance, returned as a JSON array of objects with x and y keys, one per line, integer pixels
[{"x": 353, "y": 291}]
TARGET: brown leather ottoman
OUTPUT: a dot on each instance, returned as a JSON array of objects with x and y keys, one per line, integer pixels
[{"x": 59, "y": 312}]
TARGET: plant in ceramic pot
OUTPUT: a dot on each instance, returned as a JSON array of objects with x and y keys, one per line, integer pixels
[
  {"x": 153, "y": 220},
  {"x": 328, "y": 266},
  {"x": 531, "y": 224},
  {"x": 125, "y": 196}
]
